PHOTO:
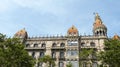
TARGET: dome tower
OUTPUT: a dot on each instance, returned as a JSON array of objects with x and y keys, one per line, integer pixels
[
  {"x": 99, "y": 29},
  {"x": 72, "y": 31},
  {"x": 22, "y": 34},
  {"x": 116, "y": 37}
]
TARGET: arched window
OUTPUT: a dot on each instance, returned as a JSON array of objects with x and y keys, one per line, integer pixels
[
  {"x": 54, "y": 45},
  {"x": 43, "y": 45},
  {"x": 62, "y": 44},
  {"x": 83, "y": 44},
  {"x": 41, "y": 54},
  {"x": 92, "y": 44},
  {"x": 97, "y": 33},
  {"x": 33, "y": 54},
  {"x": 27, "y": 45},
  {"x": 61, "y": 64},
  {"x": 53, "y": 55},
  {"x": 100, "y": 32},
  {"x": 35, "y": 45},
  {"x": 61, "y": 54},
  {"x": 104, "y": 33},
  {"x": 94, "y": 64}
]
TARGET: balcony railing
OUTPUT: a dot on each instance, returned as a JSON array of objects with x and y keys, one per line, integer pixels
[
  {"x": 57, "y": 47},
  {"x": 88, "y": 47},
  {"x": 89, "y": 58},
  {"x": 35, "y": 48}
]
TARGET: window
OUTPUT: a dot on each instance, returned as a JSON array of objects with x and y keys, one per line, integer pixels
[
  {"x": 61, "y": 64},
  {"x": 27, "y": 45},
  {"x": 40, "y": 64},
  {"x": 72, "y": 53},
  {"x": 84, "y": 64},
  {"x": 54, "y": 45},
  {"x": 73, "y": 63},
  {"x": 35, "y": 45},
  {"x": 41, "y": 54},
  {"x": 33, "y": 54},
  {"x": 73, "y": 43},
  {"x": 83, "y": 44},
  {"x": 43, "y": 45},
  {"x": 94, "y": 64},
  {"x": 53, "y": 55},
  {"x": 62, "y": 44},
  {"x": 92, "y": 44},
  {"x": 61, "y": 54}
]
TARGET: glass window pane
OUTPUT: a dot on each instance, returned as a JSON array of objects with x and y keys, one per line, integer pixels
[
  {"x": 94, "y": 64},
  {"x": 72, "y": 52},
  {"x": 72, "y": 43},
  {"x": 61, "y": 64},
  {"x": 74, "y": 63}
]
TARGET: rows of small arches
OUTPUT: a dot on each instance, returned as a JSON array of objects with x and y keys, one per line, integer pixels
[
  {"x": 100, "y": 32},
  {"x": 44, "y": 45},
  {"x": 41, "y": 54},
  {"x": 92, "y": 44},
  {"x": 53, "y": 54}
]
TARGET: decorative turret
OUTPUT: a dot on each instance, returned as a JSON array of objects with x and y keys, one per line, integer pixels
[
  {"x": 72, "y": 31},
  {"x": 22, "y": 34},
  {"x": 116, "y": 37},
  {"x": 99, "y": 29}
]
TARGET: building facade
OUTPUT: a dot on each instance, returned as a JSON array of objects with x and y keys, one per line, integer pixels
[{"x": 65, "y": 49}]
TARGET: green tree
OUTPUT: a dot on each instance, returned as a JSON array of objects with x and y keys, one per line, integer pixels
[
  {"x": 111, "y": 55},
  {"x": 87, "y": 54},
  {"x": 69, "y": 64},
  {"x": 13, "y": 54},
  {"x": 48, "y": 60}
]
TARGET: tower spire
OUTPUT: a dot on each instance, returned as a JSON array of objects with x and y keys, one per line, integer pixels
[
  {"x": 98, "y": 19},
  {"x": 98, "y": 27}
]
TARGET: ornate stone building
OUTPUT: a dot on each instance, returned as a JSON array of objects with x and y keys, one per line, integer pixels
[{"x": 65, "y": 49}]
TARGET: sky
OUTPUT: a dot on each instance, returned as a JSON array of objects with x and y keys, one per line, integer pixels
[{"x": 55, "y": 17}]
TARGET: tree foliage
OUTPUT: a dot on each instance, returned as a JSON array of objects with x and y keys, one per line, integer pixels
[
  {"x": 87, "y": 54},
  {"x": 13, "y": 54},
  {"x": 111, "y": 55},
  {"x": 48, "y": 60},
  {"x": 69, "y": 64}
]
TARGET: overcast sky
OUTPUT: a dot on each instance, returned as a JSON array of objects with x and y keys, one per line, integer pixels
[{"x": 52, "y": 17}]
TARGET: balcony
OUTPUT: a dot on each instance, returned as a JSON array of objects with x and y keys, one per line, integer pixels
[
  {"x": 35, "y": 48},
  {"x": 90, "y": 57},
  {"x": 58, "y": 48},
  {"x": 72, "y": 47},
  {"x": 93, "y": 47}
]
